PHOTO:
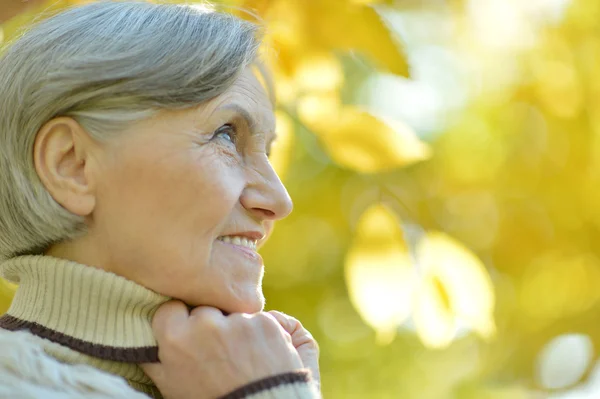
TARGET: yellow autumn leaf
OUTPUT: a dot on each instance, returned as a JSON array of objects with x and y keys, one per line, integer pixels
[
  {"x": 435, "y": 323},
  {"x": 457, "y": 290},
  {"x": 10, "y": 9},
  {"x": 360, "y": 141},
  {"x": 339, "y": 25},
  {"x": 285, "y": 30},
  {"x": 373, "y": 2},
  {"x": 317, "y": 110},
  {"x": 297, "y": 28},
  {"x": 319, "y": 72},
  {"x": 379, "y": 272},
  {"x": 40, "y": 10}
]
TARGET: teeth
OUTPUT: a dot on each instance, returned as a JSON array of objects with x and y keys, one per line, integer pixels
[{"x": 242, "y": 241}]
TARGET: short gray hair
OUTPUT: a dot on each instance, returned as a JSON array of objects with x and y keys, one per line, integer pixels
[{"x": 105, "y": 64}]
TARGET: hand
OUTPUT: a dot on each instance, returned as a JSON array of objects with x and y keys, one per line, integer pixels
[
  {"x": 205, "y": 354},
  {"x": 303, "y": 341}
]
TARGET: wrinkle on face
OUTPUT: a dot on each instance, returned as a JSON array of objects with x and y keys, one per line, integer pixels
[{"x": 169, "y": 190}]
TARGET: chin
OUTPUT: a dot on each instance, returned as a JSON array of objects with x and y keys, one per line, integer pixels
[
  {"x": 249, "y": 304},
  {"x": 251, "y": 300}
]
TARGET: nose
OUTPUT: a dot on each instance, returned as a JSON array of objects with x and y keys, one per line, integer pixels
[{"x": 265, "y": 196}]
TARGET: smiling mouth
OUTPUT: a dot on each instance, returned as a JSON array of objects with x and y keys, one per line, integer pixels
[{"x": 241, "y": 241}]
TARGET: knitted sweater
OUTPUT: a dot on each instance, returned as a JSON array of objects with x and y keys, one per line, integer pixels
[{"x": 76, "y": 331}]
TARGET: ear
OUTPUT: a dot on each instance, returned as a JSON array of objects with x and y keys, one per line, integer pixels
[{"x": 61, "y": 155}]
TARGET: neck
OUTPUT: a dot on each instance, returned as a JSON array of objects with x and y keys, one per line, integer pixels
[{"x": 85, "y": 309}]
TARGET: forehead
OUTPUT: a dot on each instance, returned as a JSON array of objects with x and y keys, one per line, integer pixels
[{"x": 248, "y": 94}]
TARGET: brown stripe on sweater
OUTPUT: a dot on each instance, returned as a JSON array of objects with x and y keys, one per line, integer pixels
[
  {"x": 148, "y": 354},
  {"x": 269, "y": 383}
]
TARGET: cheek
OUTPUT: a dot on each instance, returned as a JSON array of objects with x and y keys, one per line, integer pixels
[
  {"x": 173, "y": 202},
  {"x": 158, "y": 210},
  {"x": 214, "y": 186},
  {"x": 179, "y": 185}
]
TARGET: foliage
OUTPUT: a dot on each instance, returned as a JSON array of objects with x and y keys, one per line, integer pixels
[{"x": 440, "y": 269}]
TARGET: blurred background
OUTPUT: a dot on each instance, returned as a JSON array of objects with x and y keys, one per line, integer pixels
[{"x": 443, "y": 157}]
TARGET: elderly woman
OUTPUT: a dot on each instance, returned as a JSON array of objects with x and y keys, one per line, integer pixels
[{"x": 135, "y": 188}]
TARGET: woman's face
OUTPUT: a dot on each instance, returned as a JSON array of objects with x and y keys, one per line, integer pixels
[{"x": 184, "y": 198}]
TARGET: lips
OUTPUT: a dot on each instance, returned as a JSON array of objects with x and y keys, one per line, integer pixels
[{"x": 243, "y": 246}]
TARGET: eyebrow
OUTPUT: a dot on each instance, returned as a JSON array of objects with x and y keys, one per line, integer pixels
[{"x": 250, "y": 120}]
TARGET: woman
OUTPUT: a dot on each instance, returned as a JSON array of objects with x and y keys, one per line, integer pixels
[{"x": 133, "y": 169}]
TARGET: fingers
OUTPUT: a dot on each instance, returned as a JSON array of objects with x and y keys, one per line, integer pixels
[
  {"x": 203, "y": 350},
  {"x": 154, "y": 371},
  {"x": 170, "y": 315},
  {"x": 301, "y": 337},
  {"x": 287, "y": 322},
  {"x": 170, "y": 321},
  {"x": 290, "y": 324},
  {"x": 207, "y": 312},
  {"x": 303, "y": 342}
]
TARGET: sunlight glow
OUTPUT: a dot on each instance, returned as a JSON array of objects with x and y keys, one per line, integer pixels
[
  {"x": 564, "y": 360},
  {"x": 379, "y": 272}
]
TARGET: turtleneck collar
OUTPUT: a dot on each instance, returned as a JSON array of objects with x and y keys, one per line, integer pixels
[{"x": 86, "y": 309}]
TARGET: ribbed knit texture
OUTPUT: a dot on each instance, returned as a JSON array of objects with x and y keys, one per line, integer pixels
[
  {"x": 83, "y": 315},
  {"x": 92, "y": 306},
  {"x": 295, "y": 384},
  {"x": 82, "y": 302}
]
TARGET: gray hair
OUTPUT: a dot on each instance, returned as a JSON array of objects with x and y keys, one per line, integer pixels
[{"x": 106, "y": 65}]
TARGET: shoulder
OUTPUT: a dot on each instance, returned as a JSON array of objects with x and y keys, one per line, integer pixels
[{"x": 27, "y": 372}]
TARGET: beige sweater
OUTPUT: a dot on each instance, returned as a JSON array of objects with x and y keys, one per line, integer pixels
[{"x": 77, "y": 331}]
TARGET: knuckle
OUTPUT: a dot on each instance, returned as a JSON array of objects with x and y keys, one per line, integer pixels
[
  {"x": 239, "y": 321},
  {"x": 209, "y": 325},
  {"x": 292, "y": 324},
  {"x": 297, "y": 326},
  {"x": 242, "y": 324},
  {"x": 311, "y": 341},
  {"x": 267, "y": 322},
  {"x": 288, "y": 338},
  {"x": 263, "y": 317},
  {"x": 172, "y": 337},
  {"x": 205, "y": 324},
  {"x": 314, "y": 345},
  {"x": 239, "y": 317},
  {"x": 206, "y": 312}
]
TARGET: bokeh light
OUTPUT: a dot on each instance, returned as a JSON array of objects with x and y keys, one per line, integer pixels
[
  {"x": 444, "y": 161},
  {"x": 564, "y": 360}
]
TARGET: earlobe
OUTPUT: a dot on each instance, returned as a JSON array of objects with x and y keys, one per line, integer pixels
[{"x": 61, "y": 157}]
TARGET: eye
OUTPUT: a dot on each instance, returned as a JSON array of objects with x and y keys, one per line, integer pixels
[{"x": 226, "y": 132}]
